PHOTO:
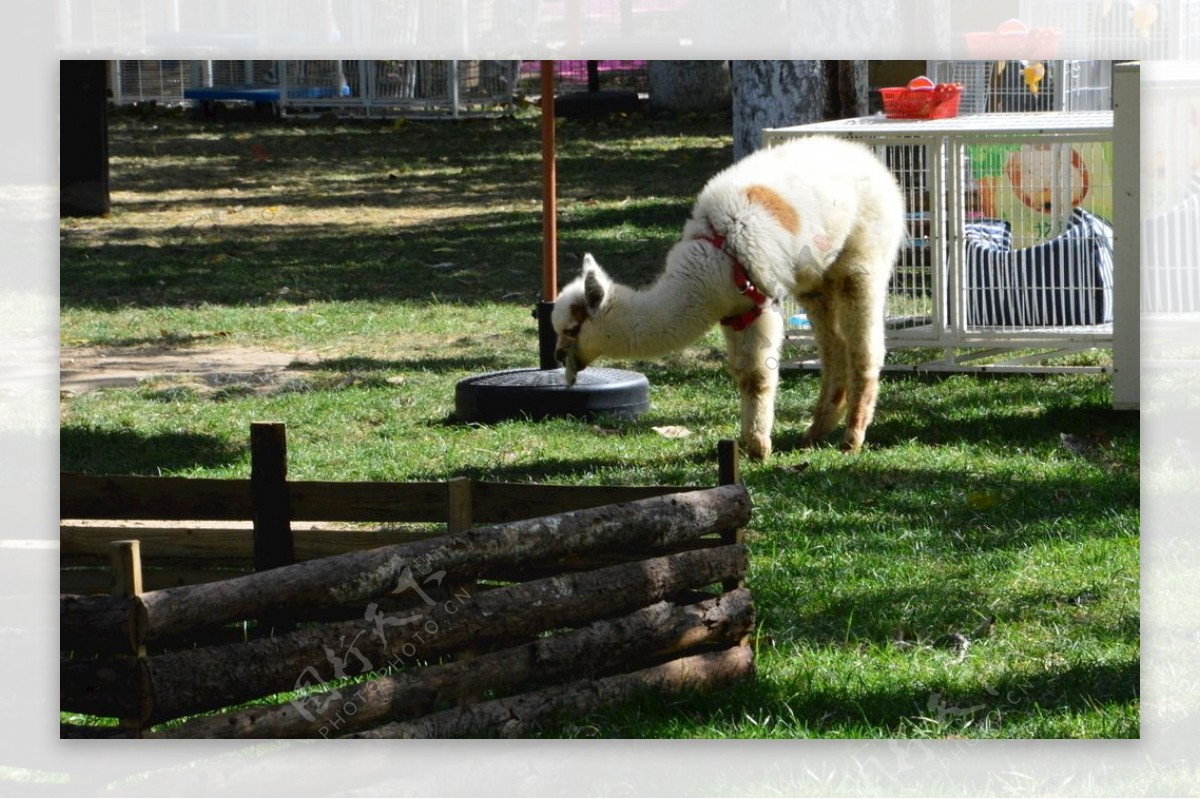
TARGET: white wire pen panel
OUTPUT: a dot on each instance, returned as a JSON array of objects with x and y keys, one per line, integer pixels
[
  {"x": 321, "y": 83},
  {"x": 240, "y": 74},
  {"x": 1120, "y": 29},
  {"x": 1019, "y": 86},
  {"x": 1010, "y": 241},
  {"x": 1170, "y": 196},
  {"x": 349, "y": 86},
  {"x": 1170, "y": 243},
  {"x": 150, "y": 81}
]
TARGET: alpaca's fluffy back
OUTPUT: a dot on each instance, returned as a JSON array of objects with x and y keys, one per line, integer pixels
[{"x": 790, "y": 212}]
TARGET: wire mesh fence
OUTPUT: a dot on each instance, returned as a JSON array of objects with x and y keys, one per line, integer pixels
[
  {"x": 369, "y": 87},
  {"x": 1016, "y": 86}
]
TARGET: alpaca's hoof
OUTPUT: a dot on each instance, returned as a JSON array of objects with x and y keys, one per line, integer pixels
[
  {"x": 758, "y": 448},
  {"x": 812, "y": 440},
  {"x": 852, "y": 443}
]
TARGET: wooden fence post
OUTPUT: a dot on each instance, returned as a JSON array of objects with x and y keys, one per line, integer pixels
[
  {"x": 458, "y": 505},
  {"x": 125, "y": 558},
  {"x": 458, "y": 520},
  {"x": 273, "y": 545},
  {"x": 125, "y": 561},
  {"x": 729, "y": 472}
]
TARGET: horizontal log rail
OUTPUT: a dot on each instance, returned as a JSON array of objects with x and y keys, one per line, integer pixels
[
  {"x": 654, "y": 633},
  {"x": 500, "y": 616},
  {"x": 362, "y": 576},
  {"x": 521, "y": 715}
]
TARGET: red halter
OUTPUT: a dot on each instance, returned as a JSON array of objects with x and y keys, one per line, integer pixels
[{"x": 741, "y": 279}]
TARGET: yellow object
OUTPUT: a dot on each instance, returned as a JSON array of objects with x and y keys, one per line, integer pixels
[
  {"x": 1144, "y": 17},
  {"x": 1033, "y": 73}
]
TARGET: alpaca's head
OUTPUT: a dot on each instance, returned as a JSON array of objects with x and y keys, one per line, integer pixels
[{"x": 577, "y": 318}]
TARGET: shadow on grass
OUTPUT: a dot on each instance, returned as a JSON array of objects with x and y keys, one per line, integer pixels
[
  {"x": 1017, "y": 701},
  {"x": 272, "y": 262},
  {"x": 449, "y": 363},
  {"x": 925, "y": 612},
  {"x": 248, "y": 251},
  {"x": 126, "y": 452},
  {"x": 481, "y": 258},
  {"x": 1009, "y": 411},
  {"x": 488, "y": 160}
]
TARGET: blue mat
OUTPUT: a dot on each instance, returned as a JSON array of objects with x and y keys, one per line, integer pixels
[{"x": 266, "y": 95}]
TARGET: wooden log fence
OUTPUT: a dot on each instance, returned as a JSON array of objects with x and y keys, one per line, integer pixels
[{"x": 610, "y": 587}]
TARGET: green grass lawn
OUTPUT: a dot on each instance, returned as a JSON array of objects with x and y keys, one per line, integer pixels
[{"x": 402, "y": 259}]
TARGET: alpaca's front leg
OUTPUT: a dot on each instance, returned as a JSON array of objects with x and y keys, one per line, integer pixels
[{"x": 754, "y": 364}]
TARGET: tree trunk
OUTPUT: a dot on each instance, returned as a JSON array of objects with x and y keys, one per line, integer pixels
[
  {"x": 184, "y": 683},
  {"x": 689, "y": 86},
  {"x": 83, "y": 160},
  {"x": 888, "y": 26},
  {"x": 518, "y": 716},
  {"x": 772, "y": 94},
  {"x": 361, "y": 576}
]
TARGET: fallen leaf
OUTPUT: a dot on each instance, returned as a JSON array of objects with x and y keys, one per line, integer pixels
[
  {"x": 983, "y": 500},
  {"x": 672, "y": 431}
]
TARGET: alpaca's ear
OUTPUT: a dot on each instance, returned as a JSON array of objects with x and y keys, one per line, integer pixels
[{"x": 595, "y": 284}]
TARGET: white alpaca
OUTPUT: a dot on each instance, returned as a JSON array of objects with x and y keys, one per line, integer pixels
[{"x": 820, "y": 219}]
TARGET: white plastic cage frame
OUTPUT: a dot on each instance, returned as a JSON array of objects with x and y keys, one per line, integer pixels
[
  {"x": 1170, "y": 182},
  {"x": 1120, "y": 29},
  {"x": 1057, "y": 300},
  {"x": 1002, "y": 86}
]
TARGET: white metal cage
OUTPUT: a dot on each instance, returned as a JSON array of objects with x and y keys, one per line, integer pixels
[
  {"x": 353, "y": 87},
  {"x": 1170, "y": 196},
  {"x": 1120, "y": 29},
  {"x": 1010, "y": 250},
  {"x": 1016, "y": 86}
]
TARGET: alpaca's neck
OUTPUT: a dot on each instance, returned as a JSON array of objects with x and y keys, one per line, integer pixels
[{"x": 667, "y": 316}]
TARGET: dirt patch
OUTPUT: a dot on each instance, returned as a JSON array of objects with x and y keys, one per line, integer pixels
[{"x": 84, "y": 369}]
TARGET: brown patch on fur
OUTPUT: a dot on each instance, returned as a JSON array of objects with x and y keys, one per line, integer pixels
[
  {"x": 753, "y": 383},
  {"x": 579, "y": 313},
  {"x": 776, "y": 206}
]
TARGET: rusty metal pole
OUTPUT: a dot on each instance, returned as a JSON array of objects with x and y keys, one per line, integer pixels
[{"x": 546, "y": 335}]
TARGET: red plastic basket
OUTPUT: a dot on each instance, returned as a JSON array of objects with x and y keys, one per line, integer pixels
[
  {"x": 1013, "y": 40},
  {"x": 922, "y": 99}
]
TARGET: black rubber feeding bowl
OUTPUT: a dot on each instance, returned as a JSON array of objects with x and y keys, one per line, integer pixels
[{"x": 544, "y": 393}]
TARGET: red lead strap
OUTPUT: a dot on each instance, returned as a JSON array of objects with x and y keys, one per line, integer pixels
[{"x": 741, "y": 279}]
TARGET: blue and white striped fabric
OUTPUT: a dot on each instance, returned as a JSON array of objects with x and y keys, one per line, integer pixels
[
  {"x": 1067, "y": 281},
  {"x": 1171, "y": 256}
]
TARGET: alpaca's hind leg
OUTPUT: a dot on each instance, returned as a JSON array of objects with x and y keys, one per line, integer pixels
[
  {"x": 862, "y": 323},
  {"x": 824, "y": 315},
  {"x": 754, "y": 365}
]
